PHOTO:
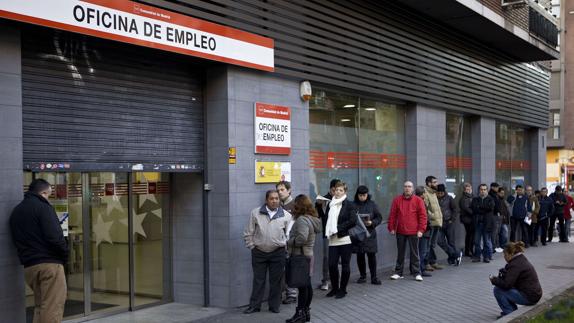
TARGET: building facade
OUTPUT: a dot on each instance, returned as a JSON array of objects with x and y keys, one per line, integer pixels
[
  {"x": 157, "y": 152},
  {"x": 560, "y": 158}
]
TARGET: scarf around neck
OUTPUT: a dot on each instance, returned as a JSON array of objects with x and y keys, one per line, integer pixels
[{"x": 334, "y": 209}]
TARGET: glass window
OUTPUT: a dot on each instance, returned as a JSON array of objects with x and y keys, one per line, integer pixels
[
  {"x": 512, "y": 155},
  {"x": 458, "y": 153},
  {"x": 359, "y": 141}
]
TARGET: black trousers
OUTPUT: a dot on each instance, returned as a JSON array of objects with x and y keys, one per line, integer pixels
[
  {"x": 561, "y": 227},
  {"x": 305, "y": 296},
  {"x": 468, "y": 239},
  {"x": 519, "y": 224},
  {"x": 543, "y": 225},
  {"x": 344, "y": 253},
  {"x": 363, "y": 266},
  {"x": 262, "y": 262},
  {"x": 446, "y": 240},
  {"x": 413, "y": 242}
]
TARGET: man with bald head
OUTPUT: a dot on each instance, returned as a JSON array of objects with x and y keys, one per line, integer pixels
[{"x": 408, "y": 221}]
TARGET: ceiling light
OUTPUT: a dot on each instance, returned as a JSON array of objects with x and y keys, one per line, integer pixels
[
  {"x": 349, "y": 106},
  {"x": 345, "y": 120},
  {"x": 370, "y": 109}
]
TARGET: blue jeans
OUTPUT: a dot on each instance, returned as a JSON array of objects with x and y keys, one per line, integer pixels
[
  {"x": 508, "y": 298},
  {"x": 480, "y": 234},
  {"x": 424, "y": 246},
  {"x": 503, "y": 235}
]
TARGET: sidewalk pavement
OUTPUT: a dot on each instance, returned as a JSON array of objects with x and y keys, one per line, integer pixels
[{"x": 454, "y": 294}]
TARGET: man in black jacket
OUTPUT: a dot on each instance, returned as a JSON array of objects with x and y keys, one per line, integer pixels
[
  {"x": 42, "y": 250},
  {"x": 559, "y": 200},
  {"x": 465, "y": 205},
  {"x": 483, "y": 209},
  {"x": 321, "y": 206},
  {"x": 446, "y": 239}
]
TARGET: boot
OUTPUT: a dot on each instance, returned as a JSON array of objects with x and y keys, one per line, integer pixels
[
  {"x": 298, "y": 317},
  {"x": 307, "y": 314}
]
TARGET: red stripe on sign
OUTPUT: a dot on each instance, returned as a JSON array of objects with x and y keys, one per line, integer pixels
[
  {"x": 183, "y": 20},
  {"x": 272, "y": 111},
  {"x": 458, "y": 162},
  {"x": 272, "y": 150},
  {"x": 129, "y": 40}
]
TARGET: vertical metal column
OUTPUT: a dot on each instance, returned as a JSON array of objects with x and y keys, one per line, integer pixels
[
  {"x": 87, "y": 241},
  {"x": 131, "y": 241}
]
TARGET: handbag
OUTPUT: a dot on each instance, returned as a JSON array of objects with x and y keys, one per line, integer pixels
[
  {"x": 297, "y": 270},
  {"x": 359, "y": 232}
]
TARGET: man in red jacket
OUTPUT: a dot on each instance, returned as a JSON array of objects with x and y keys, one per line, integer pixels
[{"x": 408, "y": 221}]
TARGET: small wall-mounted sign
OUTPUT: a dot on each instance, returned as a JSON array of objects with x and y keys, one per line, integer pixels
[
  {"x": 272, "y": 129},
  {"x": 232, "y": 155},
  {"x": 272, "y": 171}
]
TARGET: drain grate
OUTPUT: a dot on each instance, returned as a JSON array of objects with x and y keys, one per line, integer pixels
[{"x": 560, "y": 267}]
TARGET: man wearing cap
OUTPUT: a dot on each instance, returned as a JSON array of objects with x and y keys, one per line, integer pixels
[
  {"x": 497, "y": 224},
  {"x": 446, "y": 239}
]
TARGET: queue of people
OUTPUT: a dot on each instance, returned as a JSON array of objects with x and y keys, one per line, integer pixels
[{"x": 423, "y": 217}]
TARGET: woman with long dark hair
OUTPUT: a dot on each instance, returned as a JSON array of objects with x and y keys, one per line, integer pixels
[{"x": 301, "y": 241}]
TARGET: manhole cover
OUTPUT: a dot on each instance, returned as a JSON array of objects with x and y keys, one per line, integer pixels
[{"x": 560, "y": 267}]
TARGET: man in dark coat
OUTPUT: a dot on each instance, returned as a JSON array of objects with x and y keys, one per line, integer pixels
[
  {"x": 42, "y": 250},
  {"x": 483, "y": 208},
  {"x": 446, "y": 239},
  {"x": 465, "y": 205},
  {"x": 321, "y": 206},
  {"x": 559, "y": 202}
]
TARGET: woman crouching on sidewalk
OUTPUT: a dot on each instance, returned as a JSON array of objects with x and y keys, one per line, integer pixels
[
  {"x": 301, "y": 240},
  {"x": 517, "y": 282}
]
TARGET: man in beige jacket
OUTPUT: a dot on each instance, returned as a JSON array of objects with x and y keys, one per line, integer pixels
[
  {"x": 266, "y": 236},
  {"x": 435, "y": 214}
]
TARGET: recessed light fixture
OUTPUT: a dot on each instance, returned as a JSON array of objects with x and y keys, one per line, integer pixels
[
  {"x": 370, "y": 109},
  {"x": 349, "y": 106},
  {"x": 345, "y": 120}
]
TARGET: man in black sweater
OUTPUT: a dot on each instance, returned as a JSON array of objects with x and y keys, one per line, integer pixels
[{"x": 42, "y": 250}]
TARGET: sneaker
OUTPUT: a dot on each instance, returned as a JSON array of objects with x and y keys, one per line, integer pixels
[
  {"x": 475, "y": 259},
  {"x": 419, "y": 278},
  {"x": 429, "y": 268},
  {"x": 324, "y": 286},
  {"x": 362, "y": 280},
  {"x": 458, "y": 260},
  {"x": 426, "y": 275},
  {"x": 396, "y": 276},
  {"x": 376, "y": 281},
  {"x": 437, "y": 266},
  {"x": 499, "y": 249},
  {"x": 486, "y": 260}
]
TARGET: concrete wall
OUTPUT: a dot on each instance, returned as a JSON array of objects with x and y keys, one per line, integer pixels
[
  {"x": 426, "y": 143},
  {"x": 483, "y": 138},
  {"x": 538, "y": 143},
  {"x": 12, "y": 280},
  {"x": 231, "y": 93}
]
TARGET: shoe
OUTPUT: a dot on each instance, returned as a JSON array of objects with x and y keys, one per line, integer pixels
[
  {"x": 362, "y": 280},
  {"x": 426, "y": 275},
  {"x": 419, "y": 278},
  {"x": 274, "y": 310},
  {"x": 543, "y": 243},
  {"x": 308, "y": 314},
  {"x": 250, "y": 310},
  {"x": 340, "y": 294},
  {"x": 289, "y": 300},
  {"x": 458, "y": 260},
  {"x": 499, "y": 249},
  {"x": 332, "y": 293},
  {"x": 486, "y": 261},
  {"x": 534, "y": 245},
  {"x": 376, "y": 281},
  {"x": 429, "y": 268},
  {"x": 396, "y": 277},
  {"x": 298, "y": 317},
  {"x": 437, "y": 266},
  {"x": 475, "y": 259},
  {"x": 324, "y": 286}
]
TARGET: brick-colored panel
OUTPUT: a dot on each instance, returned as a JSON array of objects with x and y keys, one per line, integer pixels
[{"x": 517, "y": 15}]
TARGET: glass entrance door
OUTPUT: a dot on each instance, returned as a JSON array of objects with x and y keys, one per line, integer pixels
[{"x": 109, "y": 269}]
